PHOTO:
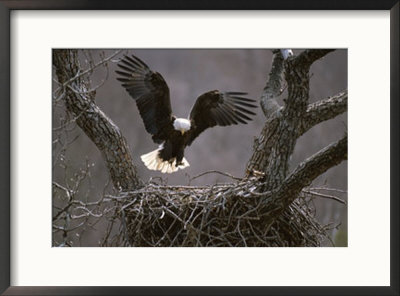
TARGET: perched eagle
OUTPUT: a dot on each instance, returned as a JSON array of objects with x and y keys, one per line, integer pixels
[{"x": 151, "y": 93}]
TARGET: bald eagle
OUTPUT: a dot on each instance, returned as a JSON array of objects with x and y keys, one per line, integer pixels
[{"x": 151, "y": 93}]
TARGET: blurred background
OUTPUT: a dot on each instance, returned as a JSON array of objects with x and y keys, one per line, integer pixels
[{"x": 189, "y": 73}]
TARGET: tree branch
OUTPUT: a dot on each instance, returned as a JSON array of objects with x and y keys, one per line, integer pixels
[
  {"x": 275, "y": 145},
  {"x": 272, "y": 89},
  {"x": 324, "y": 110},
  {"x": 310, "y": 169},
  {"x": 309, "y": 56},
  {"x": 96, "y": 125}
]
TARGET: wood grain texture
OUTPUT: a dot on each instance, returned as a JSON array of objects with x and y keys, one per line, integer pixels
[{"x": 80, "y": 103}]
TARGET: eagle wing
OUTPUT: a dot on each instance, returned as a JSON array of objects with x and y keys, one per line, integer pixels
[
  {"x": 217, "y": 108},
  {"x": 151, "y": 93}
]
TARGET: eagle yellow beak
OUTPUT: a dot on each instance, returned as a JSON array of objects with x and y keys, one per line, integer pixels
[{"x": 182, "y": 131}]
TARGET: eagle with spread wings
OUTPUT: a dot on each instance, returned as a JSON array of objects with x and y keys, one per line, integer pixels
[{"x": 151, "y": 93}]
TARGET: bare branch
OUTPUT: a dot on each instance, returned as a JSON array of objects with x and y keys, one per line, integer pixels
[
  {"x": 214, "y": 172},
  {"x": 96, "y": 125},
  {"x": 309, "y": 56},
  {"x": 273, "y": 158},
  {"x": 323, "y": 110},
  {"x": 80, "y": 74},
  {"x": 318, "y": 194},
  {"x": 298, "y": 79},
  {"x": 272, "y": 90},
  {"x": 328, "y": 189},
  {"x": 310, "y": 169}
]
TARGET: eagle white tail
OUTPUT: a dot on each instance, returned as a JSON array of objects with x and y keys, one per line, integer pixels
[{"x": 153, "y": 162}]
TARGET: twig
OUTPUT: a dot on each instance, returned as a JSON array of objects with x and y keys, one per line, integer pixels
[
  {"x": 214, "y": 172},
  {"x": 328, "y": 189},
  {"x": 80, "y": 74},
  {"x": 313, "y": 193}
]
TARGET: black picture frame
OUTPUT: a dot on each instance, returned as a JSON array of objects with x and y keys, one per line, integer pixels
[{"x": 7, "y": 6}]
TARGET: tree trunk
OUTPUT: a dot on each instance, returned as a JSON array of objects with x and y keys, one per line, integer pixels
[{"x": 80, "y": 103}]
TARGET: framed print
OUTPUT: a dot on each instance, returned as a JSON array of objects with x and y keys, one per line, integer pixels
[{"x": 165, "y": 143}]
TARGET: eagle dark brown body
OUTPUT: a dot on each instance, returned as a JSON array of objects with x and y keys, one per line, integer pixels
[{"x": 174, "y": 147}]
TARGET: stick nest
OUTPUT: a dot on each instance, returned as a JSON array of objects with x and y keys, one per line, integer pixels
[{"x": 222, "y": 215}]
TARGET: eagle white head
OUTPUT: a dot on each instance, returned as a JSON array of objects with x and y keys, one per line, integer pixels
[{"x": 182, "y": 125}]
